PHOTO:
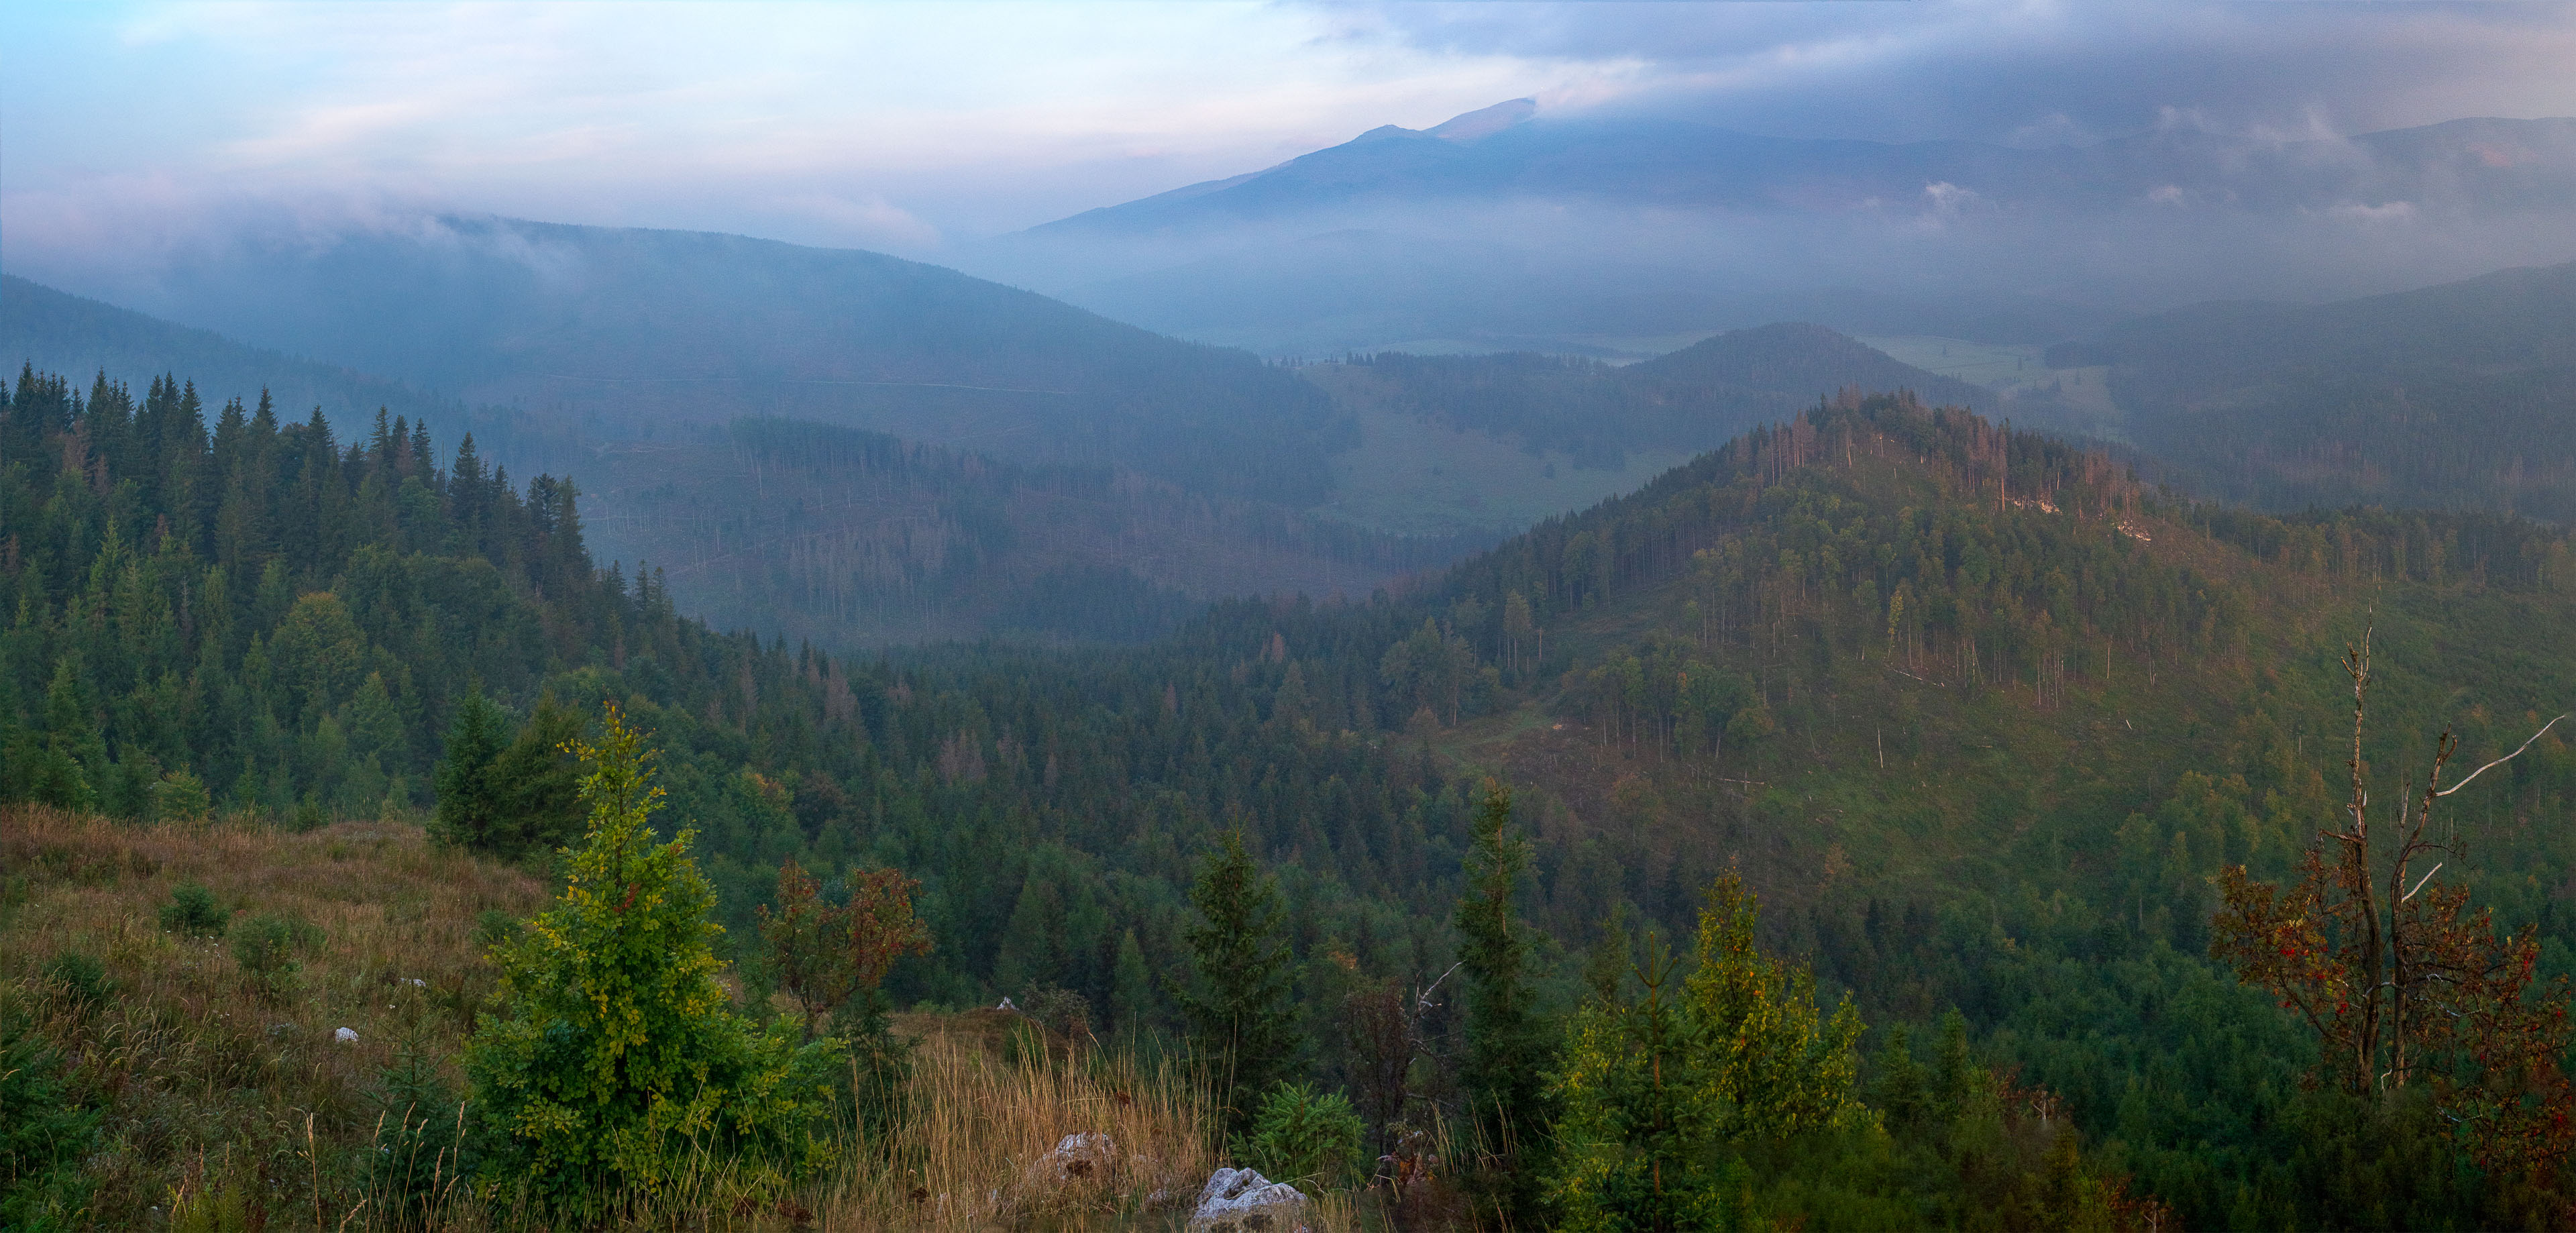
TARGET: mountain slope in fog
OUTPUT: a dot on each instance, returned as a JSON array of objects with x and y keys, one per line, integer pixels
[
  {"x": 627, "y": 328},
  {"x": 54, "y": 331},
  {"x": 1600, "y": 236},
  {"x": 1681, "y": 403},
  {"x": 2461, "y": 395}
]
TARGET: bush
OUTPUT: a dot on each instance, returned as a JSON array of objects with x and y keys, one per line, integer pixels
[
  {"x": 180, "y": 795},
  {"x": 43, "y": 1135},
  {"x": 419, "y": 1149},
  {"x": 1304, "y": 1137},
  {"x": 81, "y": 978},
  {"x": 264, "y": 947},
  {"x": 192, "y": 910},
  {"x": 494, "y": 928}
]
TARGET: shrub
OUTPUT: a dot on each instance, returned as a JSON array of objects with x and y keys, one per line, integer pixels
[
  {"x": 264, "y": 947},
  {"x": 618, "y": 1070},
  {"x": 419, "y": 1149},
  {"x": 43, "y": 1135},
  {"x": 180, "y": 794},
  {"x": 494, "y": 929},
  {"x": 192, "y": 910},
  {"x": 81, "y": 978},
  {"x": 1304, "y": 1137}
]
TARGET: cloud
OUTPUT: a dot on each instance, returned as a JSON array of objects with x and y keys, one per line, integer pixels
[
  {"x": 2038, "y": 71},
  {"x": 893, "y": 124},
  {"x": 140, "y": 128}
]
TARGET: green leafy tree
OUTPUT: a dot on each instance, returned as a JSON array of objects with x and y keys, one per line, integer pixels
[
  {"x": 1242, "y": 1022},
  {"x": 1507, "y": 1047},
  {"x": 538, "y": 783},
  {"x": 1131, "y": 986},
  {"x": 617, "y": 1061},
  {"x": 824, "y": 954},
  {"x": 180, "y": 795},
  {"x": 65, "y": 766}
]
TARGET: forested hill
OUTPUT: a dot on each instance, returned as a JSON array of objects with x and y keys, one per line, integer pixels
[
  {"x": 2455, "y": 396},
  {"x": 638, "y": 326},
  {"x": 842, "y": 536},
  {"x": 57, "y": 332},
  {"x": 1983, "y": 717},
  {"x": 1975, "y": 713},
  {"x": 846, "y": 539},
  {"x": 1693, "y": 399}
]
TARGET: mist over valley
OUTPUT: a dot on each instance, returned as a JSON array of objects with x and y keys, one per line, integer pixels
[{"x": 876, "y": 616}]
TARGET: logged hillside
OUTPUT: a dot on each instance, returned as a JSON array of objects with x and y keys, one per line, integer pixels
[
  {"x": 2460, "y": 396},
  {"x": 844, "y": 538}
]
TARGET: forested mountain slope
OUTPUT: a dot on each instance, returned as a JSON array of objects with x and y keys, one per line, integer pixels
[
  {"x": 2455, "y": 396},
  {"x": 1693, "y": 399},
  {"x": 845, "y": 538},
  {"x": 1975, "y": 713},
  {"x": 1991, "y": 715},
  {"x": 860, "y": 540},
  {"x": 56, "y": 332},
  {"x": 627, "y": 328}
]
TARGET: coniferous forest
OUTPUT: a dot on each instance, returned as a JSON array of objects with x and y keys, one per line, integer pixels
[{"x": 1886, "y": 820}]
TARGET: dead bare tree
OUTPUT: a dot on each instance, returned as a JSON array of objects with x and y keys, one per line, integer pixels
[{"x": 2401, "y": 982}]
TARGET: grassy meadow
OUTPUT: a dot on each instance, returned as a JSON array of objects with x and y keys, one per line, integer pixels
[{"x": 227, "y": 1098}]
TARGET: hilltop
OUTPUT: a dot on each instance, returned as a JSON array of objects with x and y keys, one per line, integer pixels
[{"x": 2452, "y": 396}]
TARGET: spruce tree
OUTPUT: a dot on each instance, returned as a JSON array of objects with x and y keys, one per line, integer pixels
[
  {"x": 1131, "y": 987},
  {"x": 469, "y": 802},
  {"x": 1242, "y": 1022},
  {"x": 618, "y": 1067},
  {"x": 1506, "y": 1049}
]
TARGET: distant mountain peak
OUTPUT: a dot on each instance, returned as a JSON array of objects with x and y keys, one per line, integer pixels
[{"x": 1484, "y": 121}]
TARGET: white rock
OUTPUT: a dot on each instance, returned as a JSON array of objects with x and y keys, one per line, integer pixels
[
  {"x": 1006, "y": 1005},
  {"x": 346, "y": 1036},
  {"x": 1243, "y": 1201},
  {"x": 1085, "y": 1156}
]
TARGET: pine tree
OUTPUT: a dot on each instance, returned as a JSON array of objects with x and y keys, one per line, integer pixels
[
  {"x": 1242, "y": 1022},
  {"x": 618, "y": 1067}
]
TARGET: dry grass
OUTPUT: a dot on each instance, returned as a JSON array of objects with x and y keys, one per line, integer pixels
[
  {"x": 229, "y": 1097},
  {"x": 207, "y": 1077},
  {"x": 988, "y": 1103}
]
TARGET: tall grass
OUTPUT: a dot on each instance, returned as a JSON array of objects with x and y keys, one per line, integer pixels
[
  {"x": 221, "y": 1083},
  {"x": 229, "y": 1103},
  {"x": 988, "y": 1103}
]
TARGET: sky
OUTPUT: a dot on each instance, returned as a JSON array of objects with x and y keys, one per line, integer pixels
[{"x": 916, "y": 128}]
